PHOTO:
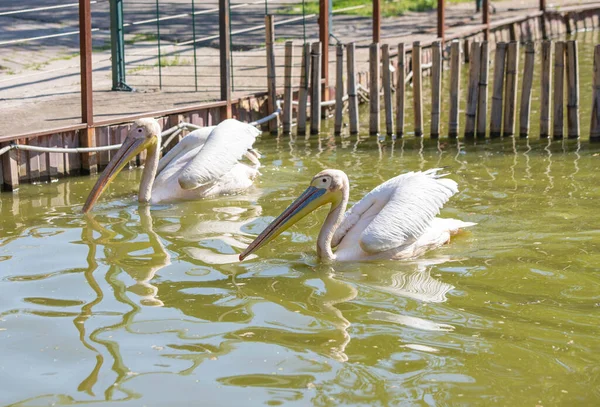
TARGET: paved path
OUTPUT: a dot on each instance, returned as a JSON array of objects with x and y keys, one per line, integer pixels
[{"x": 39, "y": 81}]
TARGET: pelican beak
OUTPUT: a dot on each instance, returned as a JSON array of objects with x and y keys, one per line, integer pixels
[
  {"x": 131, "y": 147},
  {"x": 306, "y": 203}
]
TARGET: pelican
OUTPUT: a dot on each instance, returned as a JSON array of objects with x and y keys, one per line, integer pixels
[
  {"x": 396, "y": 220},
  {"x": 203, "y": 164}
]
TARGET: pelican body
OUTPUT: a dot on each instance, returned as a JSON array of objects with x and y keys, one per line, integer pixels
[
  {"x": 203, "y": 164},
  {"x": 396, "y": 220}
]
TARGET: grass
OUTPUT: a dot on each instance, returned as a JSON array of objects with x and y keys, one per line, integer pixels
[
  {"x": 176, "y": 61},
  {"x": 141, "y": 37},
  {"x": 389, "y": 8}
]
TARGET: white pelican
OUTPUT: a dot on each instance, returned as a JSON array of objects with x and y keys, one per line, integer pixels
[
  {"x": 203, "y": 164},
  {"x": 397, "y": 220}
]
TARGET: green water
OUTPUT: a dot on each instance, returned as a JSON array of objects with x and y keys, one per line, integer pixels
[{"x": 148, "y": 306}]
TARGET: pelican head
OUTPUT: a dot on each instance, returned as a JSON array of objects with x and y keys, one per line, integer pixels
[
  {"x": 144, "y": 134},
  {"x": 328, "y": 186}
]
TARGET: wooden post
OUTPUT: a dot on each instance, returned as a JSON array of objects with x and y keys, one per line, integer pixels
[
  {"x": 454, "y": 88},
  {"x": 546, "y": 61},
  {"x": 387, "y": 90},
  {"x": 225, "y": 55},
  {"x": 315, "y": 92},
  {"x": 287, "y": 87},
  {"x": 417, "y": 80},
  {"x": 498, "y": 90},
  {"x": 10, "y": 170},
  {"x": 473, "y": 89},
  {"x": 376, "y": 21},
  {"x": 559, "y": 80},
  {"x": 436, "y": 87},
  {"x": 572, "y": 90},
  {"x": 483, "y": 90},
  {"x": 595, "y": 121},
  {"x": 485, "y": 16},
  {"x": 271, "y": 78},
  {"x": 526, "y": 90},
  {"x": 512, "y": 67},
  {"x": 441, "y": 20},
  {"x": 352, "y": 97},
  {"x": 87, "y": 139},
  {"x": 324, "y": 38},
  {"x": 304, "y": 88},
  {"x": 400, "y": 90},
  {"x": 374, "y": 88},
  {"x": 339, "y": 87}
]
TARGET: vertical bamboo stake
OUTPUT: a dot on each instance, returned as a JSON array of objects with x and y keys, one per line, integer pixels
[
  {"x": 304, "y": 88},
  {"x": 436, "y": 87},
  {"x": 387, "y": 90},
  {"x": 512, "y": 67},
  {"x": 483, "y": 91},
  {"x": 559, "y": 80},
  {"x": 374, "y": 88},
  {"x": 417, "y": 88},
  {"x": 352, "y": 99},
  {"x": 572, "y": 90},
  {"x": 526, "y": 90},
  {"x": 400, "y": 88},
  {"x": 339, "y": 87},
  {"x": 287, "y": 92},
  {"x": 315, "y": 91},
  {"x": 454, "y": 88},
  {"x": 498, "y": 90},
  {"x": 271, "y": 79},
  {"x": 545, "y": 83},
  {"x": 473, "y": 91},
  {"x": 595, "y": 122}
]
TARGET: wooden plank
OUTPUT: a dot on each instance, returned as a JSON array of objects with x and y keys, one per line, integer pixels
[
  {"x": 525, "y": 107},
  {"x": 23, "y": 162},
  {"x": 454, "y": 89},
  {"x": 339, "y": 88},
  {"x": 436, "y": 87},
  {"x": 287, "y": 92},
  {"x": 545, "y": 92},
  {"x": 498, "y": 90},
  {"x": 512, "y": 74},
  {"x": 101, "y": 141},
  {"x": 87, "y": 138},
  {"x": 482, "y": 97},
  {"x": 559, "y": 75},
  {"x": 573, "y": 129},
  {"x": 374, "y": 101},
  {"x": 72, "y": 161},
  {"x": 400, "y": 89},
  {"x": 10, "y": 170},
  {"x": 387, "y": 90},
  {"x": 271, "y": 78},
  {"x": 595, "y": 120},
  {"x": 34, "y": 161},
  {"x": 315, "y": 93},
  {"x": 417, "y": 80},
  {"x": 473, "y": 90},
  {"x": 352, "y": 97}
]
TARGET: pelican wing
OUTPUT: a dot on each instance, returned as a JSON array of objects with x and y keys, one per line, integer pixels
[
  {"x": 397, "y": 212},
  {"x": 195, "y": 139},
  {"x": 225, "y": 146}
]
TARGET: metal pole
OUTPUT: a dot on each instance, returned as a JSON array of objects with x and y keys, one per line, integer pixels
[
  {"x": 117, "y": 46},
  {"x": 543, "y": 5},
  {"x": 158, "y": 43},
  {"x": 441, "y": 19},
  {"x": 225, "y": 55},
  {"x": 376, "y": 21},
  {"x": 194, "y": 44},
  {"x": 324, "y": 38},
  {"x": 485, "y": 13}
]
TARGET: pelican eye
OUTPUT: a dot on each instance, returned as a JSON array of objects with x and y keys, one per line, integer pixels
[
  {"x": 324, "y": 180},
  {"x": 140, "y": 130}
]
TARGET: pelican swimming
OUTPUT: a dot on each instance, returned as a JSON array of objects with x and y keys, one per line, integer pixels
[
  {"x": 203, "y": 164},
  {"x": 396, "y": 220}
]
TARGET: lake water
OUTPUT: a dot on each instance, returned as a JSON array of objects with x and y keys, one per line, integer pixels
[{"x": 141, "y": 306}]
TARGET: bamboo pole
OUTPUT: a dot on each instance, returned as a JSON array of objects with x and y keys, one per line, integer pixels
[
  {"x": 304, "y": 89},
  {"x": 473, "y": 89},
  {"x": 352, "y": 97},
  {"x": 436, "y": 87},
  {"x": 572, "y": 90},
  {"x": 374, "y": 101},
  {"x": 417, "y": 88},
  {"x": 498, "y": 90},
  {"x": 287, "y": 91},
  {"x": 271, "y": 79},
  {"x": 400, "y": 90},
  {"x": 512, "y": 67},
  {"x": 339, "y": 87},
  {"x": 546, "y": 61},
  {"x": 315, "y": 91},
  {"x": 559, "y": 80},
  {"x": 454, "y": 88},
  {"x": 483, "y": 91},
  {"x": 525, "y": 108},
  {"x": 595, "y": 121},
  {"x": 387, "y": 90}
]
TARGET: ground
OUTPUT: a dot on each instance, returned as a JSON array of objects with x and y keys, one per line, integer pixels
[{"x": 39, "y": 80}]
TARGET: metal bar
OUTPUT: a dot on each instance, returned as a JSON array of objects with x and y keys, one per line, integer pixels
[
  {"x": 441, "y": 6},
  {"x": 194, "y": 45},
  {"x": 117, "y": 45},
  {"x": 225, "y": 55},
  {"x": 29, "y": 10},
  {"x": 485, "y": 14},
  {"x": 158, "y": 44},
  {"x": 543, "y": 5},
  {"x": 376, "y": 21},
  {"x": 271, "y": 78},
  {"x": 87, "y": 139},
  {"x": 324, "y": 38}
]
